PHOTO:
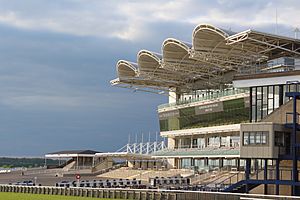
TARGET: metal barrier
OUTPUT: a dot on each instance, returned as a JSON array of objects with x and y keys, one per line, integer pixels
[{"x": 141, "y": 194}]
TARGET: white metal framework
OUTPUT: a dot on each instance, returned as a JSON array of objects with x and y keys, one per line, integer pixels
[{"x": 210, "y": 61}]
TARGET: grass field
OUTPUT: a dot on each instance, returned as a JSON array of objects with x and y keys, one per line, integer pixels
[{"x": 21, "y": 196}]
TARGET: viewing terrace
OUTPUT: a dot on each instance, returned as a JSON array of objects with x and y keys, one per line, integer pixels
[
  {"x": 206, "y": 152},
  {"x": 204, "y": 97}
]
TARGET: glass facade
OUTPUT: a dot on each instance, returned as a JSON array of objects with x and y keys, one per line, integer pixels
[
  {"x": 212, "y": 114},
  {"x": 265, "y": 99},
  {"x": 186, "y": 163},
  {"x": 204, "y": 163},
  {"x": 210, "y": 141},
  {"x": 203, "y": 95}
]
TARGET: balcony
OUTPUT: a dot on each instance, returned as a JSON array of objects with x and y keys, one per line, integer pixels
[
  {"x": 205, "y": 152},
  {"x": 212, "y": 96}
]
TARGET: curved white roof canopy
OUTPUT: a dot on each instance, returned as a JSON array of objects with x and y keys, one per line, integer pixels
[
  {"x": 126, "y": 69},
  {"x": 175, "y": 50},
  {"x": 211, "y": 60},
  {"x": 148, "y": 62},
  {"x": 150, "y": 67},
  {"x": 210, "y": 45},
  {"x": 209, "y": 42},
  {"x": 176, "y": 57},
  {"x": 128, "y": 75},
  {"x": 208, "y": 38}
]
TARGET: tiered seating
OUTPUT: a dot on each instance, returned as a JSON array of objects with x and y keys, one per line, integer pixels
[
  {"x": 144, "y": 175},
  {"x": 122, "y": 172}
]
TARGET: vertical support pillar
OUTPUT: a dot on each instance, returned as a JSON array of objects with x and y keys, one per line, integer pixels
[
  {"x": 250, "y": 107},
  {"x": 295, "y": 189},
  {"x": 266, "y": 176},
  {"x": 128, "y": 148},
  {"x": 277, "y": 176},
  {"x": 141, "y": 148},
  {"x": 77, "y": 164},
  {"x": 221, "y": 162},
  {"x": 247, "y": 173},
  {"x": 281, "y": 96},
  {"x": 155, "y": 146},
  {"x": 134, "y": 148},
  {"x": 148, "y": 147}
]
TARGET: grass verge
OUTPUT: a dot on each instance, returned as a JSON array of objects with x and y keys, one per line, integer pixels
[{"x": 22, "y": 196}]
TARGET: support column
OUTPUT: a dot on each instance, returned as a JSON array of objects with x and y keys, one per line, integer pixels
[
  {"x": 247, "y": 173},
  {"x": 206, "y": 161},
  {"x": 221, "y": 162},
  {"x": 180, "y": 143},
  {"x": 250, "y": 109},
  {"x": 295, "y": 189},
  {"x": 266, "y": 176},
  {"x": 77, "y": 164},
  {"x": 277, "y": 176}
]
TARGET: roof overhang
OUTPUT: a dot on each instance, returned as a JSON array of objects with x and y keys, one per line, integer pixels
[
  {"x": 68, "y": 155},
  {"x": 210, "y": 61},
  {"x": 124, "y": 155}
]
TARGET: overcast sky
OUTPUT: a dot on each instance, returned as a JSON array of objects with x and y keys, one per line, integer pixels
[{"x": 57, "y": 58}]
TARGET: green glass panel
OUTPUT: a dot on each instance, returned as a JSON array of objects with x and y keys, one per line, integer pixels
[{"x": 173, "y": 123}]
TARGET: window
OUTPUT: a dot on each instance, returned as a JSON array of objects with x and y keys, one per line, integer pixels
[
  {"x": 195, "y": 143},
  {"x": 252, "y": 138},
  {"x": 258, "y": 138},
  {"x": 264, "y": 137},
  {"x": 255, "y": 137},
  {"x": 246, "y": 138},
  {"x": 280, "y": 138}
]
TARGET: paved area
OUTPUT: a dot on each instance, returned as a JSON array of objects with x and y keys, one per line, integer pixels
[{"x": 43, "y": 179}]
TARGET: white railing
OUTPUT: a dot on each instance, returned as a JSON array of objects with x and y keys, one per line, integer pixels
[{"x": 143, "y": 148}]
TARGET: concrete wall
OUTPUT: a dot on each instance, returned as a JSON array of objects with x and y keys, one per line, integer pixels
[
  {"x": 264, "y": 150},
  {"x": 279, "y": 115},
  {"x": 257, "y": 151},
  {"x": 140, "y": 194},
  {"x": 171, "y": 143}
]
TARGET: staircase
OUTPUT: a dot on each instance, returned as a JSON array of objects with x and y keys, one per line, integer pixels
[
  {"x": 69, "y": 165},
  {"x": 240, "y": 187}
]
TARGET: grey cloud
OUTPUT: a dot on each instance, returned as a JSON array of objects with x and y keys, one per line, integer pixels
[{"x": 57, "y": 57}]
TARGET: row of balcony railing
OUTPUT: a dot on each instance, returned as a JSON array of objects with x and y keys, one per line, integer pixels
[{"x": 209, "y": 96}]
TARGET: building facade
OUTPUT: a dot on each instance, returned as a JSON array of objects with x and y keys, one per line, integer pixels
[{"x": 232, "y": 102}]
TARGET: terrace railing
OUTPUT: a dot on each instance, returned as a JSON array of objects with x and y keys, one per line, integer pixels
[{"x": 215, "y": 95}]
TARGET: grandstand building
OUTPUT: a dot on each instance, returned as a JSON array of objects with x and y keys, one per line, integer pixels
[{"x": 232, "y": 104}]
